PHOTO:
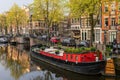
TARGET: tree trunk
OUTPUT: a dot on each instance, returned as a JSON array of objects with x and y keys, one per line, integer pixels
[{"x": 92, "y": 29}]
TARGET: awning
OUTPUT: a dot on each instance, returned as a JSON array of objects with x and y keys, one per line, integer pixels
[{"x": 76, "y": 37}]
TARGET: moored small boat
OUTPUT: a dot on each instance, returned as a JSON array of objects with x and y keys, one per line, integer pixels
[
  {"x": 116, "y": 60},
  {"x": 3, "y": 39},
  {"x": 83, "y": 63}
]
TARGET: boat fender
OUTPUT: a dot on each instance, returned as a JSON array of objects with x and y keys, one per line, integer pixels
[
  {"x": 66, "y": 60},
  {"x": 97, "y": 58},
  {"x": 76, "y": 62}
]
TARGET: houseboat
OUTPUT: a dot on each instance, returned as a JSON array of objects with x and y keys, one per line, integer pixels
[{"x": 87, "y": 63}]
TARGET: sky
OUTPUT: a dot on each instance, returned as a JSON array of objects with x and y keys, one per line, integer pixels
[{"x": 5, "y": 5}]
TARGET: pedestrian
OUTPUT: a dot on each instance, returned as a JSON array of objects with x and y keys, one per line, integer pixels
[{"x": 114, "y": 46}]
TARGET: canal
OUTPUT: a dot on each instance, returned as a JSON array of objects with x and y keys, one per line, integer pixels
[{"x": 16, "y": 64}]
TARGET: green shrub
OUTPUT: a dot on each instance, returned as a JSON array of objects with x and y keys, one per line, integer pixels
[
  {"x": 79, "y": 50},
  {"x": 68, "y": 50},
  {"x": 57, "y": 51},
  {"x": 43, "y": 47},
  {"x": 76, "y": 50},
  {"x": 93, "y": 49},
  {"x": 59, "y": 47}
]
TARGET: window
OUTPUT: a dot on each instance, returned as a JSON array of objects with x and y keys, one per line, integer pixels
[
  {"x": 113, "y": 6},
  {"x": 97, "y": 35},
  {"x": 72, "y": 20},
  {"x": 76, "y": 58},
  {"x": 98, "y": 22},
  {"x": 82, "y": 22},
  {"x": 89, "y": 33},
  {"x": 106, "y": 8},
  {"x": 119, "y": 20},
  {"x": 106, "y": 21},
  {"x": 84, "y": 35},
  {"x": 119, "y": 7},
  {"x": 75, "y": 20},
  {"x": 86, "y": 23},
  {"x": 78, "y": 20},
  {"x": 112, "y": 21},
  {"x": 112, "y": 36}
]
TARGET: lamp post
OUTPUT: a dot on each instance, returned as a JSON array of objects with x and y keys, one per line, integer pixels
[
  {"x": 31, "y": 24},
  {"x": 105, "y": 33},
  {"x": 105, "y": 39},
  {"x": 116, "y": 31}
]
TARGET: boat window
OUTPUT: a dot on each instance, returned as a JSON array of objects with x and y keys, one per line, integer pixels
[
  {"x": 76, "y": 58},
  {"x": 66, "y": 56},
  {"x": 71, "y": 56}
]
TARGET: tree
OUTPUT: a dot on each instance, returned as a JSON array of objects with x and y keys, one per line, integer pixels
[
  {"x": 3, "y": 25},
  {"x": 49, "y": 10},
  {"x": 16, "y": 17},
  {"x": 90, "y": 8}
]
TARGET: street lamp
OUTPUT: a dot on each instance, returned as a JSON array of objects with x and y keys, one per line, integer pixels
[
  {"x": 105, "y": 39},
  {"x": 105, "y": 34},
  {"x": 31, "y": 23},
  {"x": 116, "y": 31}
]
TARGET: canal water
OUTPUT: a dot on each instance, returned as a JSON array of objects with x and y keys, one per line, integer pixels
[{"x": 16, "y": 64}]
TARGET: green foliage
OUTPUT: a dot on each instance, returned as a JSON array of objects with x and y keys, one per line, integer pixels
[
  {"x": 3, "y": 23},
  {"x": 50, "y": 10},
  {"x": 43, "y": 47},
  {"x": 59, "y": 47},
  {"x": 57, "y": 51},
  {"x": 16, "y": 16},
  {"x": 93, "y": 49},
  {"x": 90, "y": 9},
  {"x": 68, "y": 50},
  {"x": 79, "y": 50},
  {"x": 108, "y": 49}
]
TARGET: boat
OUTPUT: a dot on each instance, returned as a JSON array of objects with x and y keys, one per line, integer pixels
[
  {"x": 81, "y": 63},
  {"x": 116, "y": 60},
  {"x": 3, "y": 39}
]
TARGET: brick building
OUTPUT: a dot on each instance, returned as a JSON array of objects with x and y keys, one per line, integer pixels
[{"x": 110, "y": 22}]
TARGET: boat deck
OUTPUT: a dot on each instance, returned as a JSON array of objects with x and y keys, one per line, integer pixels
[
  {"x": 52, "y": 50},
  {"x": 110, "y": 68}
]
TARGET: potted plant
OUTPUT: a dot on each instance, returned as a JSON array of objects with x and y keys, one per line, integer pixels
[
  {"x": 57, "y": 52},
  {"x": 93, "y": 49},
  {"x": 43, "y": 47}
]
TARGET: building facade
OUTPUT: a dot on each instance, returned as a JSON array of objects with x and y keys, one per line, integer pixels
[
  {"x": 81, "y": 28},
  {"x": 110, "y": 22},
  {"x": 107, "y": 28}
]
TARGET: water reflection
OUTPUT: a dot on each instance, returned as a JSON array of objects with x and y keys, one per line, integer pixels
[
  {"x": 40, "y": 75},
  {"x": 16, "y": 64},
  {"x": 15, "y": 60},
  {"x": 66, "y": 75}
]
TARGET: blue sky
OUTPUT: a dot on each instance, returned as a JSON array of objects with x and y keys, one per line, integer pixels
[{"x": 5, "y": 5}]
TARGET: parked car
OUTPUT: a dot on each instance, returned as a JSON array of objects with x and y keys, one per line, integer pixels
[
  {"x": 43, "y": 37},
  {"x": 83, "y": 43},
  {"x": 116, "y": 48},
  {"x": 55, "y": 39},
  {"x": 68, "y": 42}
]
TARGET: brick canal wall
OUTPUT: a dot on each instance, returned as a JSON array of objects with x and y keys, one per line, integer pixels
[{"x": 36, "y": 41}]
